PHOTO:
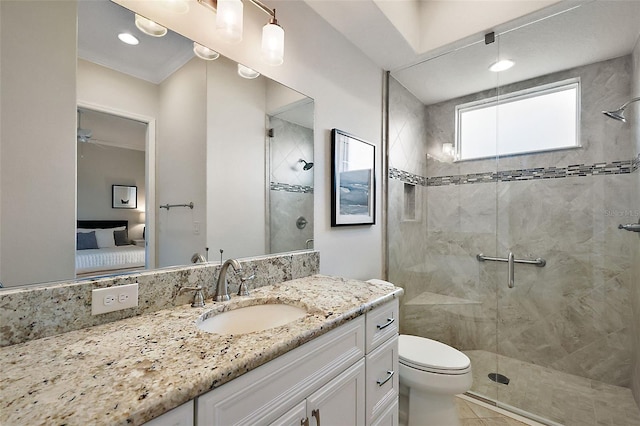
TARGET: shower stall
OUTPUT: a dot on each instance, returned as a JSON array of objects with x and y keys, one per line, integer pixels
[{"x": 515, "y": 254}]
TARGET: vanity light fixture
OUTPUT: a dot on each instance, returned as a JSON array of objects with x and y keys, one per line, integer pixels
[
  {"x": 229, "y": 18},
  {"x": 150, "y": 27},
  {"x": 128, "y": 39},
  {"x": 273, "y": 42},
  {"x": 501, "y": 65},
  {"x": 204, "y": 52},
  {"x": 246, "y": 72}
]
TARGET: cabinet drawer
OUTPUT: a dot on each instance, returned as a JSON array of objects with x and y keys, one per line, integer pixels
[
  {"x": 264, "y": 394},
  {"x": 381, "y": 324},
  {"x": 389, "y": 417},
  {"x": 383, "y": 385}
]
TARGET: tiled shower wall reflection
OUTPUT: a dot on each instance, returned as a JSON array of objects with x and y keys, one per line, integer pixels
[
  {"x": 634, "y": 272},
  {"x": 291, "y": 187},
  {"x": 574, "y": 315}
]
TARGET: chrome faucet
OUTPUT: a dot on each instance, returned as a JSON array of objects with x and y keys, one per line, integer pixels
[
  {"x": 222, "y": 288},
  {"x": 198, "y": 297}
]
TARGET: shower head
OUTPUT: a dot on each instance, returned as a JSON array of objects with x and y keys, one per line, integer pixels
[
  {"x": 307, "y": 166},
  {"x": 618, "y": 114}
]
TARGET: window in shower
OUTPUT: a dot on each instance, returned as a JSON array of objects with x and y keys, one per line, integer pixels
[{"x": 543, "y": 118}]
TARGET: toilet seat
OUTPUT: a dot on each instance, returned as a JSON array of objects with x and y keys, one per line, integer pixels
[{"x": 431, "y": 356}]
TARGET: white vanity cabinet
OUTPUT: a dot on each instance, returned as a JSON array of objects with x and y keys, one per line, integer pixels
[
  {"x": 347, "y": 376},
  {"x": 310, "y": 373}
]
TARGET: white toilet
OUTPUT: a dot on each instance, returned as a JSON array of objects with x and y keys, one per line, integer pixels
[{"x": 431, "y": 373}]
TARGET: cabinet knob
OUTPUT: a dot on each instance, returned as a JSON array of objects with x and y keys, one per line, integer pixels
[
  {"x": 304, "y": 422},
  {"x": 316, "y": 414}
]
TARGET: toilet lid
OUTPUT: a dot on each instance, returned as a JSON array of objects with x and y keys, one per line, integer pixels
[{"x": 430, "y": 355}]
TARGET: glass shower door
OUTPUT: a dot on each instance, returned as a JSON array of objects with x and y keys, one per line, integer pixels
[
  {"x": 442, "y": 211},
  {"x": 565, "y": 328}
]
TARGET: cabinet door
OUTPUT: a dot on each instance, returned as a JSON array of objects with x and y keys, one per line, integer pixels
[
  {"x": 180, "y": 416},
  {"x": 297, "y": 416},
  {"x": 341, "y": 401}
]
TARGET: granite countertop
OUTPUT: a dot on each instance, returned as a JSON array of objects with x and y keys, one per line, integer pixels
[{"x": 132, "y": 370}]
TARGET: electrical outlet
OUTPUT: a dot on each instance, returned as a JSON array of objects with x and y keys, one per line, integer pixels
[
  {"x": 196, "y": 228},
  {"x": 115, "y": 298}
]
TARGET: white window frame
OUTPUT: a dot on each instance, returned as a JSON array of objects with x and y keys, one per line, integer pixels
[{"x": 569, "y": 84}]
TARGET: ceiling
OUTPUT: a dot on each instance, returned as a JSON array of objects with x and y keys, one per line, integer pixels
[
  {"x": 153, "y": 60},
  {"x": 545, "y": 37},
  {"x": 433, "y": 48}
]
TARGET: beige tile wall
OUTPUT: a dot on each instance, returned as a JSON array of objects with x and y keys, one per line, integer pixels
[{"x": 573, "y": 315}]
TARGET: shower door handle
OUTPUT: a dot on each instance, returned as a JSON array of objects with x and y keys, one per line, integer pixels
[
  {"x": 511, "y": 277},
  {"x": 633, "y": 227}
]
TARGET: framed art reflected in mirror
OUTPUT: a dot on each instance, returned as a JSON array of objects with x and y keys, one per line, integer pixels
[
  {"x": 124, "y": 197},
  {"x": 353, "y": 180}
]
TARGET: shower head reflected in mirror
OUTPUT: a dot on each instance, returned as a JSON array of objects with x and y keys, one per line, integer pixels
[
  {"x": 307, "y": 166},
  {"x": 618, "y": 114}
]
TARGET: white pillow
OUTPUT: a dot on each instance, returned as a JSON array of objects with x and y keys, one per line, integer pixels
[{"x": 104, "y": 237}]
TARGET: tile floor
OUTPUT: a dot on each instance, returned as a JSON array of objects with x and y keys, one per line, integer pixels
[
  {"x": 471, "y": 413},
  {"x": 559, "y": 397}
]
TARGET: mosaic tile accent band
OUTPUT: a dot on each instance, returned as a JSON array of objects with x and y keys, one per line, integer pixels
[
  {"x": 276, "y": 186},
  {"x": 613, "y": 168}
]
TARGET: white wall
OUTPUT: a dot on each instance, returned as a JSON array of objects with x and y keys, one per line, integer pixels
[
  {"x": 181, "y": 174},
  {"x": 104, "y": 86},
  {"x": 235, "y": 162},
  {"x": 347, "y": 89},
  {"x": 41, "y": 197}
]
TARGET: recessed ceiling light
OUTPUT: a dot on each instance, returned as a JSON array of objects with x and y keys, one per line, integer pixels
[
  {"x": 150, "y": 27},
  {"x": 128, "y": 38},
  {"x": 502, "y": 65},
  {"x": 246, "y": 72},
  {"x": 205, "y": 53}
]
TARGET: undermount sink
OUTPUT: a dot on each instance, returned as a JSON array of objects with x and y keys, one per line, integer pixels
[{"x": 250, "y": 318}]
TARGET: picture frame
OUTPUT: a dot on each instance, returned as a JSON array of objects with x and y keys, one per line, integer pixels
[
  {"x": 124, "y": 197},
  {"x": 353, "y": 173}
]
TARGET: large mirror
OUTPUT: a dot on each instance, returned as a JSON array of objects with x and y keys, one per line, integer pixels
[{"x": 222, "y": 165}]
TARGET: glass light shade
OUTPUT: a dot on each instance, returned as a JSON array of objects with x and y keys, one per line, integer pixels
[
  {"x": 273, "y": 44},
  {"x": 246, "y": 72},
  {"x": 149, "y": 27},
  {"x": 204, "y": 52},
  {"x": 128, "y": 38},
  {"x": 229, "y": 20}
]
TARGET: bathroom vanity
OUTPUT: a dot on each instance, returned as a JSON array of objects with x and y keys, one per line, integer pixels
[{"x": 338, "y": 360}]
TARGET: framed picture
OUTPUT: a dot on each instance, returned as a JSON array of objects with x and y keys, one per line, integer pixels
[
  {"x": 124, "y": 197},
  {"x": 353, "y": 200}
]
